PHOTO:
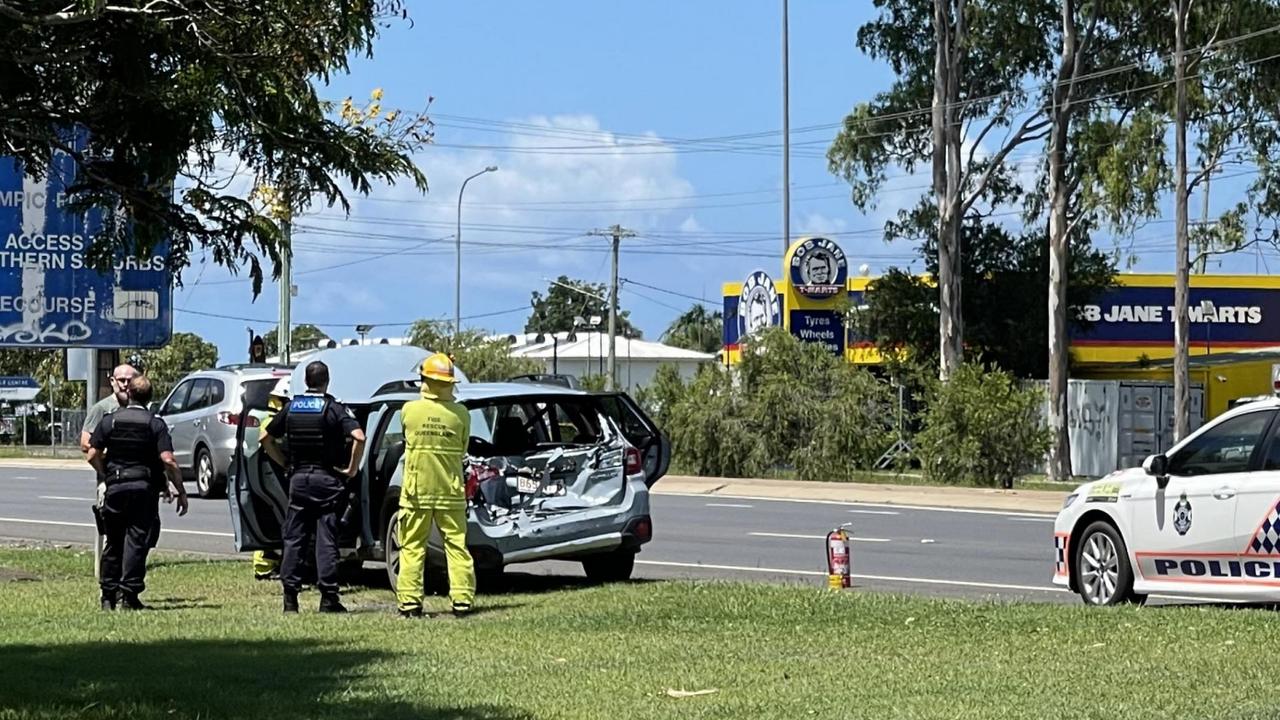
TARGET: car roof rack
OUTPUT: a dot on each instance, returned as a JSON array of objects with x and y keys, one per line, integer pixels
[
  {"x": 241, "y": 367},
  {"x": 568, "y": 381}
]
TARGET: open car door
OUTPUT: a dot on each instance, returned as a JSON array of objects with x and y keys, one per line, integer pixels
[
  {"x": 641, "y": 432},
  {"x": 255, "y": 488}
]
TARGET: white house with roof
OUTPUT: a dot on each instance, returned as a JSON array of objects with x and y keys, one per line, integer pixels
[
  {"x": 568, "y": 353},
  {"x": 587, "y": 353}
]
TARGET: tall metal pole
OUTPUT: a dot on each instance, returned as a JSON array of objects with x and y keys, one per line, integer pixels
[
  {"x": 613, "y": 312},
  {"x": 284, "y": 335},
  {"x": 786, "y": 133},
  {"x": 617, "y": 232},
  {"x": 457, "y": 288}
]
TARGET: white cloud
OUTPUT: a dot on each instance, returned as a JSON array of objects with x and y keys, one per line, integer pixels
[{"x": 819, "y": 224}]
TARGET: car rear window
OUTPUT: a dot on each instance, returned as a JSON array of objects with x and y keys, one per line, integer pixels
[{"x": 256, "y": 393}]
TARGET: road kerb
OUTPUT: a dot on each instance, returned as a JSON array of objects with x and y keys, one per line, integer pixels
[{"x": 1032, "y": 501}]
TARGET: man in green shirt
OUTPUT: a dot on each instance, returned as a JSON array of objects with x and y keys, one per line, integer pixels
[{"x": 118, "y": 398}]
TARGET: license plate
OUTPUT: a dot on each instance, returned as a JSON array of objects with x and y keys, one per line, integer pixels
[{"x": 526, "y": 485}]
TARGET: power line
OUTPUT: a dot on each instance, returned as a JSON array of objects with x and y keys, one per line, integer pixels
[
  {"x": 704, "y": 301},
  {"x": 220, "y": 316}
]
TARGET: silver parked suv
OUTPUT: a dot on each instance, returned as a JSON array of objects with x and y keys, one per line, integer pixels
[{"x": 203, "y": 412}]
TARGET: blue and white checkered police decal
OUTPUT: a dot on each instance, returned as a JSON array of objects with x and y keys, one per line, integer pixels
[
  {"x": 309, "y": 404},
  {"x": 1060, "y": 554},
  {"x": 1266, "y": 539},
  {"x": 1182, "y": 515}
]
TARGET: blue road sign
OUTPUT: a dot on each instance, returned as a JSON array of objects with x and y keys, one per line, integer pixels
[
  {"x": 49, "y": 297},
  {"x": 21, "y": 389}
]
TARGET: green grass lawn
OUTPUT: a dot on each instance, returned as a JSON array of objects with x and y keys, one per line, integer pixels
[
  {"x": 216, "y": 646},
  {"x": 18, "y": 452}
]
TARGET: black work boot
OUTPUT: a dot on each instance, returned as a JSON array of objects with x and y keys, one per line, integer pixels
[
  {"x": 329, "y": 603},
  {"x": 129, "y": 601},
  {"x": 461, "y": 609},
  {"x": 290, "y": 602},
  {"x": 108, "y": 603},
  {"x": 411, "y": 612}
]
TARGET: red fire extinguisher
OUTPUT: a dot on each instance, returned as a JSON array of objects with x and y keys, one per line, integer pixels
[{"x": 839, "y": 559}]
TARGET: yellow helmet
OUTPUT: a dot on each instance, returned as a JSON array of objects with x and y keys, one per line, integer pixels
[{"x": 438, "y": 367}]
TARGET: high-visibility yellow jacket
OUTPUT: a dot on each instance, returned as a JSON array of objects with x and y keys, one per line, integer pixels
[{"x": 436, "y": 430}]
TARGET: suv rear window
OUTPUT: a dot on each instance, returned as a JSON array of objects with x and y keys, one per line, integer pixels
[
  {"x": 256, "y": 393},
  {"x": 519, "y": 426}
]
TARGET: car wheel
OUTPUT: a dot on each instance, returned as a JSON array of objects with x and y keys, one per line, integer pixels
[
  {"x": 207, "y": 484},
  {"x": 1102, "y": 561},
  {"x": 391, "y": 546},
  {"x": 615, "y": 566}
]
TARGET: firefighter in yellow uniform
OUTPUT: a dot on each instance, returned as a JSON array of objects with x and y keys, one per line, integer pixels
[
  {"x": 266, "y": 563},
  {"x": 436, "y": 430}
]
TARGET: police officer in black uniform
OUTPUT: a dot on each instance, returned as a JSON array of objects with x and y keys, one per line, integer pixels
[
  {"x": 317, "y": 427},
  {"x": 133, "y": 453}
]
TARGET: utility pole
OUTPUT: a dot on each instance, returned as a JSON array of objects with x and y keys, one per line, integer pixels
[
  {"x": 617, "y": 232},
  {"x": 786, "y": 132},
  {"x": 283, "y": 335}
]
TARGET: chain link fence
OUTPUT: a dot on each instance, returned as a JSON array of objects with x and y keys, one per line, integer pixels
[{"x": 59, "y": 430}]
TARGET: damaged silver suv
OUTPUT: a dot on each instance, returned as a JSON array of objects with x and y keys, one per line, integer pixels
[{"x": 552, "y": 473}]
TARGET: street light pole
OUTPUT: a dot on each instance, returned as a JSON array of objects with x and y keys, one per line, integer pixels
[
  {"x": 457, "y": 297},
  {"x": 786, "y": 131}
]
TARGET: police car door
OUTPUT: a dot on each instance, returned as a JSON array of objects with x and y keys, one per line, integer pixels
[
  {"x": 1258, "y": 513},
  {"x": 1186, "y": 531},
  {"x": 255, "y": 491}
]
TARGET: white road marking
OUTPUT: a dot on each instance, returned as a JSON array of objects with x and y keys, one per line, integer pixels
[
  {"x": 875, "y": 512},
  {"x": 919, "y": 581},
  {"x": 1033, "y": 519},
  {"x": 845, "y": 503},
  {"x": 813, "y": 537},
  {"x": 60, "y": 523},
  {"x": 817, "y": 573},
  {"x": 24, "y": 477},
  {"x": 730, "y": 505},
  {"x": 64, "y": 497}
]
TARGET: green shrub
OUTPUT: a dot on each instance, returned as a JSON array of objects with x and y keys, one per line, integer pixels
[
  {"x": 853, "y": 429},
  {"x": 707, "y": 430},
  {"x": 981, "y": 428}
]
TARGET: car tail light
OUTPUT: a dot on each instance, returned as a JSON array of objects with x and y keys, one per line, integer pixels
[
  {"x": 227, "y": 418},
  {"x": 642, "y": 529},
  {"x": 634, "y": 463}
]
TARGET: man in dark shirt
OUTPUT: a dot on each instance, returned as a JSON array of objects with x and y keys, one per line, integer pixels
[
  {"x": 318, "y": 427},
  {"x": 133, "y": 454}
]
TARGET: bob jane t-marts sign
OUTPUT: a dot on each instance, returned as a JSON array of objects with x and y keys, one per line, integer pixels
[
  {"x": 817, "y": 268},
  {"x": 1225, "y": 312}
]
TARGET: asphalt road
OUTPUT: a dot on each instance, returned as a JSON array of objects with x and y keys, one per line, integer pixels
[{"x": 966, "y": 553}]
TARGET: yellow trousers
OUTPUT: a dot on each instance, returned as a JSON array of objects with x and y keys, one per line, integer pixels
[
  {"x": 413, "y": 530},
  {"x": 265, "y": 562}
]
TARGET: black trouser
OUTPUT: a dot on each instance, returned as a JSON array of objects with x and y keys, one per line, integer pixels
[
  {"x": 314, "y": 502},
  {"x": 131, "y": 518}
]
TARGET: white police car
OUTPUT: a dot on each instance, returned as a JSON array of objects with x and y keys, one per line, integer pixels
[{"x": 1202, "y": 519}]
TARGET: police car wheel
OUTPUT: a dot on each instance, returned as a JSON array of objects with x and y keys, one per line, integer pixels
[
  {"x": 1104, "y": 576},
  {"x": 206, "y": 476}
]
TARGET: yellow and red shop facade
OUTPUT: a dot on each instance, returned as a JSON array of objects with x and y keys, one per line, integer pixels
[{"x": 1235, "y": 322}]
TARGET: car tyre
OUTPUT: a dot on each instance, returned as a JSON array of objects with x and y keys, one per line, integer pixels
[
  {"x": 208, "y": 485},
  {"x": 611, "y": 567},
  {"x": 1104, "y": 574}
]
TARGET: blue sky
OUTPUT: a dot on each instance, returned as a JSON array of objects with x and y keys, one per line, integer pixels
[{"x": 585, "y": 77}]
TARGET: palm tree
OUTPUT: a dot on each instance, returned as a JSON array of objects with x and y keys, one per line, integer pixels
[{"x": 697, "y": 329}]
